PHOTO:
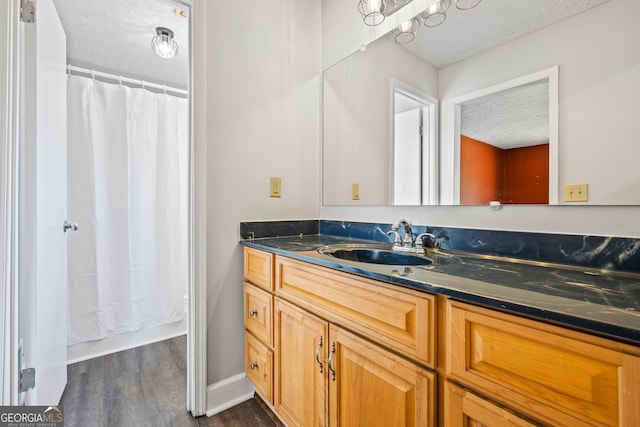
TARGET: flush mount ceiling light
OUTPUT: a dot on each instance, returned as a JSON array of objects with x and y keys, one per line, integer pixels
[{"x": 163, "y": 43}]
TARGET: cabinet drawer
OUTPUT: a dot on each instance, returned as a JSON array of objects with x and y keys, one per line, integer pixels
[
  {"x": 258, "y": 268},
  {"x": 403, "y": 321},
  {"x": 258, "y": 313},
  {"x": 557, "y": 375},
  {"x": 465, "y": 409},
  {"x": 258, "y": 365}
]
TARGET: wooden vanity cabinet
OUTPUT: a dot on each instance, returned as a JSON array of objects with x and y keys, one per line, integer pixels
[
  {"x": 327, "y": 348},
  {"x": 544, "y": 372},
  {"x": 337, "y": 347}
]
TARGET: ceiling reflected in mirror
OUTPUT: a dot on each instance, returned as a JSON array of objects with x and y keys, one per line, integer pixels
[{"x": 465, "y": 33}]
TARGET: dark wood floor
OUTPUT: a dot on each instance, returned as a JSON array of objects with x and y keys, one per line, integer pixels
[{"x": 145, "y": 386}]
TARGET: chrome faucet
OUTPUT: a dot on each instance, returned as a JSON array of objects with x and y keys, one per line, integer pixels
[{"x": 406, "y": 243}]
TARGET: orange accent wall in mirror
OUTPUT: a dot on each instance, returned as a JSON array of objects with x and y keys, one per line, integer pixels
[{"x": 510, "y": 176}]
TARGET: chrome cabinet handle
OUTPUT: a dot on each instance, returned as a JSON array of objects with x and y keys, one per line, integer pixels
[
  {"x": 69, "y": 226},
  {"x": 318, "y": 354},
  {"x": 253, "y": 366},
  {"x": 333, "y": 352},
  {"x": 252, "y": 313}
]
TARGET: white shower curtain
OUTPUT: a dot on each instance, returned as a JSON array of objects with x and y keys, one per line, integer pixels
[{"x": 127, "y": 190}]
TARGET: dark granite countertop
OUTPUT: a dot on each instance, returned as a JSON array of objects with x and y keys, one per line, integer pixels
[{"x": 606, "y": 303}]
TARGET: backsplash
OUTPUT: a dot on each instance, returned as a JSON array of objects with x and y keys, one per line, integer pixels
[
  {"x": 260, "y": 229},
  {"x": 609, "y": 253}
]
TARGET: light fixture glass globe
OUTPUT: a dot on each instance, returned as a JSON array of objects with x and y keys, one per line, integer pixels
[
  {"x": 436, "y": 13},
  {"x": 163, "y": 43},
  {"x": 406, "y": 32},
  {"x": 372, "y": 11},
  {"x": 467, "y": 4}
]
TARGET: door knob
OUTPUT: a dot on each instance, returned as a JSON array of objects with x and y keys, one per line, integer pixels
[{"x": 69, "y": 226}]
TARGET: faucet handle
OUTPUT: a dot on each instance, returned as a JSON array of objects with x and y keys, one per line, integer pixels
[
  {"x": 420, "y": 244},
  {"x": 396, "y": 237}
]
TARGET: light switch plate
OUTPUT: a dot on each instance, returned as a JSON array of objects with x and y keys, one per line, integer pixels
[
  {"x": 355, "y": 191},
  {"x": 275, "y": 187}
]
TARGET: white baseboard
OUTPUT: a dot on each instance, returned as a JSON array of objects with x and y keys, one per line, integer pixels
[
  {"x": 119, "y": 342},
  {"x": 227, "y": 393}
]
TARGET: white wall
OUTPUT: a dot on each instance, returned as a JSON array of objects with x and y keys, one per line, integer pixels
[
  {"x": 263, "y": 109},
  {"x": 613, "y": 49},
  {"x": 358, "y": 97}
]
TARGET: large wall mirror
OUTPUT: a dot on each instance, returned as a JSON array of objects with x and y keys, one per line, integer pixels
[{"x": 419, "y": 123}]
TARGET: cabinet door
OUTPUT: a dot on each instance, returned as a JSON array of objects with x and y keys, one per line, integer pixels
[
  {"x": 301, "y": 371},
  {"x": 465, "y": 409},
  {"x": 372, "y": 387}
]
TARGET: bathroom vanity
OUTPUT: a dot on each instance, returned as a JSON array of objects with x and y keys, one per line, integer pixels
[{"x": 331, "y": 341}]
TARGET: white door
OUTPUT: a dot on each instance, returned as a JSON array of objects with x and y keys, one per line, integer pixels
[
  {"x": 43, "y": 264},
  {"x": 407, "y": 158}
]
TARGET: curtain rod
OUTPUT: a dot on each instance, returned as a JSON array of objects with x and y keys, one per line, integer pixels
[{"x": 120, "y": 79}]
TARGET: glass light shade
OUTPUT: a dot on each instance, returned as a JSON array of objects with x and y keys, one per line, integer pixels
[
  {"x": 406, "y": 32},
  {"x": 402, "y": 2},
  {"x": 467, "y": 4},
  {"x": 163, "y": 43},
  {"x": 372, "y": 11},
  {"x": 436, "y": 13}
]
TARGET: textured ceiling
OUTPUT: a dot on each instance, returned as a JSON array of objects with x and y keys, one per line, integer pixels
[
  {"x": 115, "y": 36},
  {"x": 466, "y": 33},
  {"x": 512, "y": 118}
]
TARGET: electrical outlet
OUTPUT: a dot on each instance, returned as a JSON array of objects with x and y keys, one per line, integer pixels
[
  {"x": 576, "y": 193},
  {"x": 355, "y": 191},
  {"x": 275, "y": 187}
]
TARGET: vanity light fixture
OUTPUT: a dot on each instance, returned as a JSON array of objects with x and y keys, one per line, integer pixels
[
  {"x": 435, "y": 15},
  {"x": 163, "y": 43},
  {"x": 375, "y": 11}
]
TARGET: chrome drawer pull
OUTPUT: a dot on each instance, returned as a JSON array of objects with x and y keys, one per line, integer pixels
[
  {"x": 333, "y": 352},
  {"x": 318, "y": 354}
]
